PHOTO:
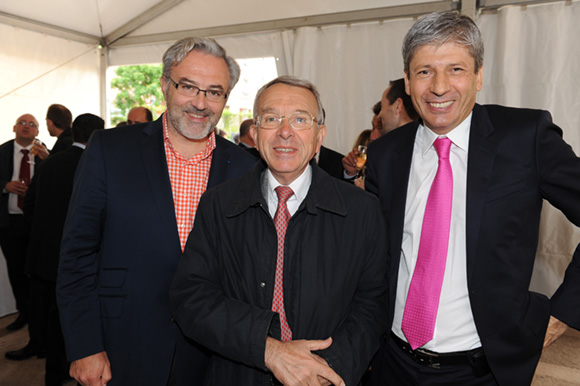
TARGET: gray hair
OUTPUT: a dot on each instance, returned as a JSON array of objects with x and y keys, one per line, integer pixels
[
  {"x": 443, "y": 27},
  {"x": 296, "y": 82},
  {"x": 179, "y": 50}
]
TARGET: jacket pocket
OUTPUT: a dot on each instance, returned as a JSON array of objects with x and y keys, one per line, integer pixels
[{"x": 505, "y": 191}]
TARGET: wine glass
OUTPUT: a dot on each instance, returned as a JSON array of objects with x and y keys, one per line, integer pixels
[
  {"x": 34, "y": 150},
  {"x": 362, "y": 157}
]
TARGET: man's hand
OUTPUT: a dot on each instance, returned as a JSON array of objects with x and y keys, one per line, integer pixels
[
  {"x": 16, "y": 187},
  {"x": 39, "y": 150},
  {"x": 293, "y": 363},
  {"x": 349, "y": 163},
  {"x": 555, "y": 329},
  {"x": 94, "y": 370}
]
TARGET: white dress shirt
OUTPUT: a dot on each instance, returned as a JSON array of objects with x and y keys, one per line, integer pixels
[
  {"x": 299, "y": 186},
  {"x": 454, "y": 327}
]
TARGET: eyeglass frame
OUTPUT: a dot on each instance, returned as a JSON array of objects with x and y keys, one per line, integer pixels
[
  {"x": 176, "y": 85},
  {"x": 281, "y": 117},
  {"x": 29, "y": 124}
]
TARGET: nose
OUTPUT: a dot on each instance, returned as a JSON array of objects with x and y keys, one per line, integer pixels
[
  {"x": 440, "y": 84},
  {"x": 285, "y": 130},
  {"x": 199, "y": 101}
]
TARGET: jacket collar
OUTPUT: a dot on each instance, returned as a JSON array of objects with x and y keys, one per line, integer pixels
[{"x": 323, "y": 193}]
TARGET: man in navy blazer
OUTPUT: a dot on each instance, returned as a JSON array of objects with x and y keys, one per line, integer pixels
[
  {"x": 489, "y": 328},
  {"x": 133, "y": 204}
]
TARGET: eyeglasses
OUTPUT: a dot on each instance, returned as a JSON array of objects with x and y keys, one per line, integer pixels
[
  {"x": 31, "y": 124},
  {"x": 190, "y": 90},
  {"x": 299, "y": 120}
]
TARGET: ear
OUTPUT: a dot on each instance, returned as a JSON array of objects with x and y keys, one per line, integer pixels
[
  {"x": 407, "y": 87},
  {"x": 163, "y": 82},
  {"x": 321, "y": 136},
  {"x": 398, "y": 105},
  {"x": 253, "y": 133},
  {"x": 479, "y": 76}
]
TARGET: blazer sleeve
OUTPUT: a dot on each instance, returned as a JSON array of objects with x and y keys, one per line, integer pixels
[
  {"x": 559, "y": 170},
  {"x": 76, "y": 288}
]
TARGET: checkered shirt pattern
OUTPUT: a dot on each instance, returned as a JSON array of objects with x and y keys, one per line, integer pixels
[
  {"x": 281, "y": 219},
  {"x": 188, "y": 181}
]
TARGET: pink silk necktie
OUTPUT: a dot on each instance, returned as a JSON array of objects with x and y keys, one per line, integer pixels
[
  {"x": 281, "y": 219},
  {"x": 24, "y": 174},
  {"x": 425, "y": 289}
]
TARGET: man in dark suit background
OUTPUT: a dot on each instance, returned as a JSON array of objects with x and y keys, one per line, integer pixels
[
  {"x": 58, "y": 123},
  {"x": 331, "y": 162},
  {"x": 45, "y": 207},
  {"x": 246, "y": 141},
  {"x": 133, "y": 204},
  {"x": 489, "y": 328},
  {"x": 14, "y": 230}
]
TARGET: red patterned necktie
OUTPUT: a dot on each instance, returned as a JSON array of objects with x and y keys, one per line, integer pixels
[
  {"x": 281, "y": 219},
  {"x": 425, "y": 289},
  {"x": 24, "y": 174}
]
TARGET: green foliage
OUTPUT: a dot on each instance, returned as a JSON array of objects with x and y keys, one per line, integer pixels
[
  {"x": 137, "y": 86},
  {"x": 230, "y": 122}
]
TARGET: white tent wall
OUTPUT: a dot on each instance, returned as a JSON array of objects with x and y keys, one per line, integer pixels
[{"x": 38, "y": 70}]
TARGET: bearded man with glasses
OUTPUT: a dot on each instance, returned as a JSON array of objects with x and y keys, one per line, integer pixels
[{"x": 132, "y": 208}]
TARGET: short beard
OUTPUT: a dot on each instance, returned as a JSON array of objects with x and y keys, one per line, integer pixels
[{"x": 187, "y": 132}]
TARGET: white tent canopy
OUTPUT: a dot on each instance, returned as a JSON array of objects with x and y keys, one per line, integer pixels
[{"x": 58, "y": 52}]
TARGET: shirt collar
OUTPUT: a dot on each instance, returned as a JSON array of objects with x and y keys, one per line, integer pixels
[
  {"x": 18, "y": 147},
  {"x": 459, "y": 136},
  {"x": 299, "y": 186}
]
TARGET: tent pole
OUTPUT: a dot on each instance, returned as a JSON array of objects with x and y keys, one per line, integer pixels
[{"x": 103, "y": 65}]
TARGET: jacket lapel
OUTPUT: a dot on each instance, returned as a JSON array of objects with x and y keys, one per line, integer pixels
[
  {"x": 400, "y": 169},
  {"x": 153, "y": 155},
  {"x": 482, "y": 150}
]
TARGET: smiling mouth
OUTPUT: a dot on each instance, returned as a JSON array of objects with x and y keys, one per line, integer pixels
[
  {"x": 284, "y": 149},
  {"x": 440, "y": 105}
]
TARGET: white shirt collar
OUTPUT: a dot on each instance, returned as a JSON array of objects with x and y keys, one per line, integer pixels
[
  {"x": 459, "y": 136},
  {"x": 299, "y": 186}
]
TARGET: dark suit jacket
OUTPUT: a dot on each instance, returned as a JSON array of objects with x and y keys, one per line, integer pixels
[
  {"x": 6, "y": 171},
  {"x": 63, "y": 142},
  {"x": 252, "y": 150},
  {"x": 46, "y": 206},
  {"x": 517, "y": 158},
  {"x": 120, "y": 250},
  {"x": 331, "y": 162}
]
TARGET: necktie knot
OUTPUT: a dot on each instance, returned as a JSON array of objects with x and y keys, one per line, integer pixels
[
  {"x": 442, "y": 147},
  {"x": 284, "y": 193},
  {"x": 25, "y": 152}
]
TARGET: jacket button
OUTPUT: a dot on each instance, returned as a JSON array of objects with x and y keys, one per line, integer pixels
[{"x": 262, "y": 284}]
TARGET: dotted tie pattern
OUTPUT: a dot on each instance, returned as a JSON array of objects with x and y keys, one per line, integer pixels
[
  {"x": 24, "y": 174},
  {"x": 281, "y": 219},
  {"x": 425, "y": 289}
]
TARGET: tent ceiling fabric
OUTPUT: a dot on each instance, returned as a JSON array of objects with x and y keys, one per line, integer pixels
[{"x": 106, "y": 21}]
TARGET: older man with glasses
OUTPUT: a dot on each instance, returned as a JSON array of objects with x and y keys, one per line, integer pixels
[
  {"x": 284, "y": 273},
  {"x": 17, "y": 166}
]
